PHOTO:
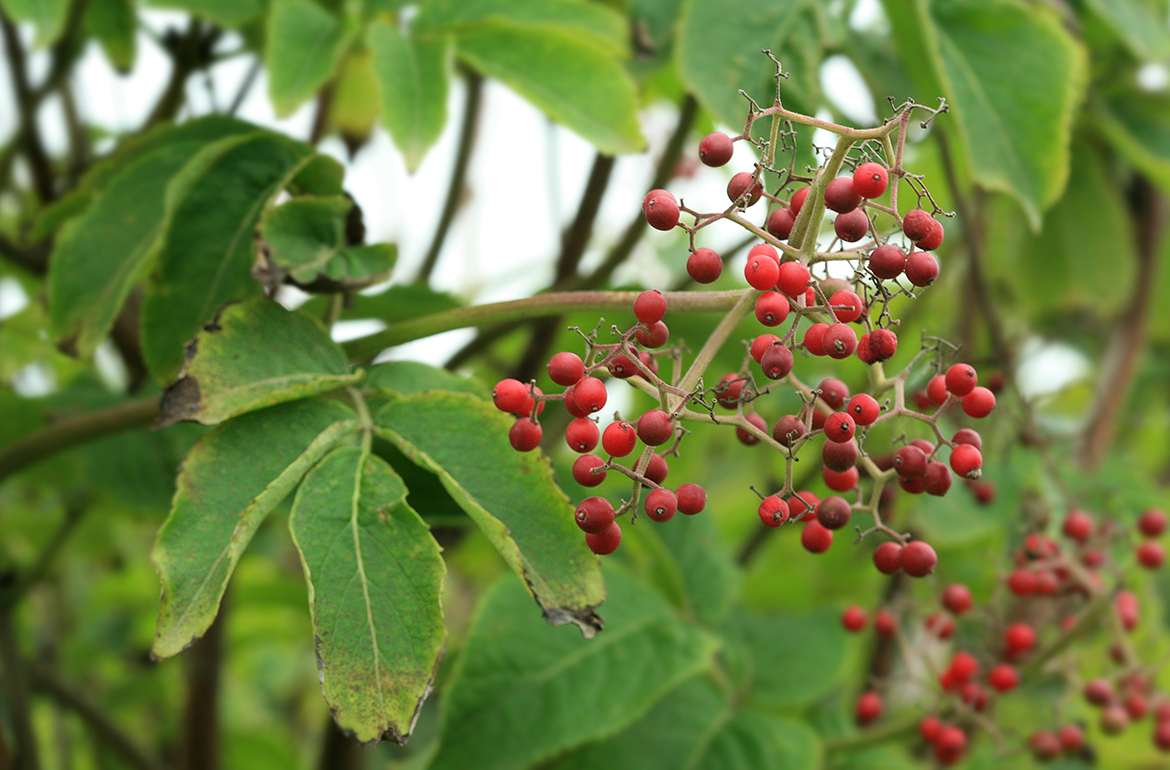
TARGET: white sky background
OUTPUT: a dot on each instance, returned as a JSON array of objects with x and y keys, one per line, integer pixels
[{"x": 524, "y": 182}]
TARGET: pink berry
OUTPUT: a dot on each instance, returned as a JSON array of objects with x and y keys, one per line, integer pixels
[
  {"x": 715, "y": 149},
  {"x": 660, "y": 209}
]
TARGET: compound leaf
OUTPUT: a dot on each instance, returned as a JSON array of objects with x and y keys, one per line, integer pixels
[
  {"x": 230, "y": 480},
  {"x": 375, "y": 580},
  {"x": 531, "y": 692},
  {"x": 510, "y": 495},
  {"x": 305, "y": 42},
  {"x": 412, "y": 75},
  {"x": 233, "y": 366}
]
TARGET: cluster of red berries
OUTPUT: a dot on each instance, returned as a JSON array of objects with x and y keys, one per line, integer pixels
[{"x": 1054, "y": 592}]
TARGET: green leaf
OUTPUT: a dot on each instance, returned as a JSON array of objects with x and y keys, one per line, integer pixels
[
  {"x": 114, "y": 23},
  {"x": 375, "y": 581},
  {"x": 602, "y": 26},
  {"x": 409, "y": 377},
  {"x": 102, "y": 253},
  {"x": 233, "y": 367},
  {"x": 230, "y": 481},
  {"x": 1137, "y": 124},
  {"x": 718, "y": 50},
  {"x": 1140, "y": 26},
  {"x": 510, "y": 495},
  {"x": 207, "y": 254},
  {"x": 321, "y": 175},
  {"x": 307, "y": 237},
  {"x": 573, "y": 81},
  {"x": 48, "y": 16},
  {"x": 530, "y": 692},
  {"x": 305, "y": 42},
  {"x": 785, "y": 678},
  {"x": 229, "y": 13},
  {"x": 412, "y": 76}
]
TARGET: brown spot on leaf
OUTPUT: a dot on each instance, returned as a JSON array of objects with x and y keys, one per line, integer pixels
[{"x": 181, "y": 401}]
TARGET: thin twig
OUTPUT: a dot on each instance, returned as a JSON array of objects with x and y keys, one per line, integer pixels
[{"x": 19, "y": 706}]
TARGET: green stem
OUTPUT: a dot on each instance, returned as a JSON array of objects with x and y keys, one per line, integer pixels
[
  {"x": 730, "y": 322},
  {"x": 540, "y": 306},
  {"x": 890, "y": 731}
]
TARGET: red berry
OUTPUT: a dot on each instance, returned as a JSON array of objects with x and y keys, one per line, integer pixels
[
  {"x": 510, "y": 396},
  {"x": 1162, "y": 735},
  {"x": 582, "y": 435},
  {"x": 815, "y": 537},
  {"x": 842, "y": 481},
  {"x": 743, "y": 186},
  {"x": 661, "y": 504},
  {"x": 968, "y": 436},
  {"x": 961, "y": 379},
  {"x": 764, "y": 250},
  {"x": 910, "y": 462},
  {"x": 571, "y": 404},
  {"x": 705, "y": 265},
  {"x": 657, "y": 469},
  {"x": 1018, "y": 638},
  {"x": 1072, "y": 738},
  {"x": 776, "y": 362},
  {"x": 868, "y": 708},
  {"x": 650, "y": 307},
  {"x": 590, "y": 395},
  {"x": 771, "y": 308},
  {"x": 619, "y": 438},
  {"x": 1044, "y": 745},
  {"x": 772, "y": 511},
  {"x": 883, "y": 344},
  {"x": 1022, "y": 582},
  {"x": 887, "y": 262},
  {"x": 839, "y": 341},
  {"x": 761, "y": 272},
  {"x": 853, "y": 618},
  {"x": 788, "y": 430},
  {"x": 622, "y": 366},
  {"x": 525, "y": 435},
  {"x": 937, "y": 389},
  {"x": 814, "y": 339},
  {"x": 864, "y": 409},
  {"x": 566, "y": 368},
  {"x": 660, "y": 209},
  {"x": 762, "y": 343},
  {"x": 1078, "y": 526},
  {"x": 921, "y": 268},
  {"x": 870, "y": 180},
  {"x": 839, "y": 426},
  {"x": 749, "y": 439},
  {"x": 934, "y": 238},
  {"x": 834, "y": 512},
  {"x": 833, "y": 392},
  {"x": 937, "y": 479},
  {"x": 797, "y": 200},
  {"x": 729, "y": 390},
  {"x": 1152, "y": 523},
  {"x": 780, "y": 223},
  {"x": 950, "y": 744},
  {"x": 594, "y": 515},
  {"x": 942, "y": 626},
  {"x": 839, "y": 457},
  {"x": 1098, "y": 692},
  {"x": 715, "y": 149},
  {"x": 980, "y": 402},
  {"x": 847, "y": 305},
  {"x": 692, "y": 499},
  {"x": 929, "y": 728},
  {"x": 606, "y": 542},
  {"x": 1004, "y": 677},
  {"x": 916, "y": 224},
  {"x": 852, "y": 226},
  {"x": 803, "y": 506},
  {"x": 840, "y": 195},
  {"x": 883, "y": 624},
  {"x": 887, "y": 557},
  {"x": 653, "y": 336},
  {"x": 964, "y": 666},
  {"x": 918, "y": 559},
  {"x": 583, "y": 468},
  {"x": 793, "y": 279},
  {"x": 956, "y": 597},
  {"x": 1114, "y": 719},
  {"x": 655, "y": 427},
  {"x": 1151, "y": 554},
  {"x": 967, "y": 461}
]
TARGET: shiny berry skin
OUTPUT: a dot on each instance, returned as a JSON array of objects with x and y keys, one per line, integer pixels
[
  {"x": 814, "y": 339},
  {"x": 937, "y": 479},
  {"x": 749, "y": 439},
  {"x": 834, "y": 512},
  {"x": 788, "y": 430},
  {"x": 692, "y": 499},
  {"x": 1018, "y": 638},
  {"x": 961, "y": 379},
  {"x": 715, "y": 149},
  {"x": 590, "y": 395},
  {"x": 916, "y": 224},
  {"x": 839, "y": 341},
  {"x": 1077, "y": 526},
  {"x": 525, "y": 435},
  {"x": 776, "y": 362},
  {"x": 966, "y": 461},
  {"x": 604, "y": 543},
  {"x": 655, "y": 428},
  {"x": 851, "y": 226},
  {"x": 594, "y": 515},
  {"x": 571, "y": 405},
  {"x": 761, "y": 272},
  {"x": 794, "y": 278},
  {"x": 887, "y": 262},
  {"x": 883, "y": 344},
  {"x": 566, "y": 368},
  {"x": 657, "y": 469},
  {"x": 1151, "y": 554},
  {"x": 582, "y": 435},
  {"x": 622, "y": 366},
  {"x": 921, "y": 268},
  {"x": 839, "y": 426},
  {"x": 772, "y": 511},
  {"x": 853, "y": 619},
  {"x": 650, "y": 307},
  {"x": 870, "y": 180},
  {"x": 840, "y": 195},
  {"x": 956, "y": 597},
  {"x": 653, "y": 336},
  {"x": 968, "y": 436},
  {"x": 839, "y": 457},
  {"x": 661, "y": 504},
  {"x": 864, "y": 409},
  {"x": 796, "y": 202},
  {"x": 868, "y": 708},
  {"x": 583, "y": 468},
  {"x": 510, "y": 396},
  {"x": 934, "y": 238},
  {"x": 847, "y": 305},
  {"x": 1152, "y": 523},
  {"x": 803, "y": 506},
  {"x": 660, "y": 209},
  {"x": 918, "y": 559},
  {"x": 980, "y": 402},
  {"x": 815, "y": 537},
  {"x": 936, "y": 389},
  {"x": 887, "y": 557},
  {"x": 842, "y": 481},
  {"x": 619, "y": 438},
  {"x": 780, "y": 223},
  {"x": 762, "y": 343},
  {"x": 705, "y": 265},
  {"x": 833, "y": 392},
  {"x": 910, "y": 462},
  {"x": 772, "y": 308},
  {"x": 740, "y": 185}
]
